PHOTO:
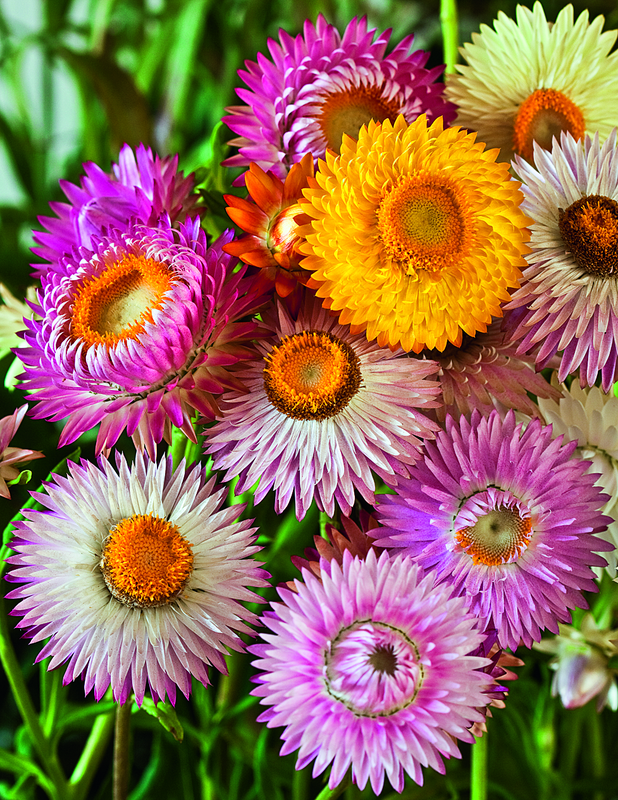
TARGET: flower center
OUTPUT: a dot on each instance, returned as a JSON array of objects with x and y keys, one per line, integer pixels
[
  {"x": 498, "y": 537},
  {"x": 283, "y": 235},
  {"x": 311, "y": 375},
  {"x": 118, "y": 303},
  {"x": 373, "y": 669},
  {"x": 424, "y": 224},
  {"x": 146, "y": 561},
  {"x": 543, "y": 115},
  {"x": 589, "y": 228},
  {"x": 348, "y": 110}
]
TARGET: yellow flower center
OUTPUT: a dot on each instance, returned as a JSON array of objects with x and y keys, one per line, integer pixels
[
  {"x": 424, "y": 223},
  {"x": 146, "y": 561},
  {"x": 543, "y": 115},
  {"x": 589, "y": 228},
  {"x": 118, "y": 303},
  {"x": 347, "y": 111},
  {"x": 498, "y": 537},
  {"x": 311, "y": 375}
]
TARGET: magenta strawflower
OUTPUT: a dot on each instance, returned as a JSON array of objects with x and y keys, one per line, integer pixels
[
  {"x": 138, "y": 335},
  {"x": 140, "y": 188},
  {"x": 320, "y": 86},
  {"x": 505, "y": 517},
  {"x": 324, "y": 408},
  {"x": 369, "y": 667},
  {"x": 134, "y": 575}
]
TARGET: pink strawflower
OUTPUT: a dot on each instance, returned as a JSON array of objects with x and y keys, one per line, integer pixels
[
  {"x": 11, "y": 456},
  {"x": 134, "y": 575},
  {"x": 140, "y": 188},
  {"x": 320, "y": 86},
  {"x": 137, "y": 334},
  {"x": 369, "y": 667},
  {"x": 505, "y": 517}
]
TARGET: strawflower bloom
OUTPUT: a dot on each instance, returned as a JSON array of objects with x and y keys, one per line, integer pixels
[
  {"x": 138, "y": 335},
  {"x": 11, "y": 456},
  {"x": 527, "y": 81},
  {"x": 323, "y": 409},
  {"x": 590, "y": 417},
  {"x": 320, "y": 86},
  {"x": 140, "y": 188},
  {"x": 371, "y": 668},
  {"x": 135, "y": 575},
  {"x": 271, "y": 218},
  {"x": 416, "y": 234},
  {"x": 568, "y": 302},
  {"x": 505, "y": 516}
]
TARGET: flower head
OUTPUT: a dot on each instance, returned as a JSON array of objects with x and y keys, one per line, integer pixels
[
  {"x": 416, "y": 234},
  {"x": 568, "y": 301},
  {"x": 322, "y": 86},
  {"x": 11, "y": 456},
  {"x": 527, "y": 81},
  {"x": 323, "y": 409},
  {"x": 138, "y": 335},
  {"x": 135, "y": 576},
  {"x": 140, "y": 188},
  {"x": 504, "y": 515},
  {"x": 370, "y": 667}
]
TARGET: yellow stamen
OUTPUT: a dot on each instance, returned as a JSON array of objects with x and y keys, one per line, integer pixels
[
  {"x": 498, "y": 537},
  {"x": 543, "y": 115},
  {"x": 347, "y": 111}
]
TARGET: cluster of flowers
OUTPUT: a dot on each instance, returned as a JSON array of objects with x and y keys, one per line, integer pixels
[{"x": 399, "y": 289}]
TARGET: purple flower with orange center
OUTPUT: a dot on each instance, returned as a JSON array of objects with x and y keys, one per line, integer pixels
[
  {"x": 271, "y": 218},
  {"x": 321, "y": 86},
  {"x": 138, "y": 334},
  {"x": 140, "y": 188},
  {"x": 151, "y": 570},
  {"x": 505, "y": 517},
  {"x": 529, "y": 80},
  {"x": 324, "y": 409}
]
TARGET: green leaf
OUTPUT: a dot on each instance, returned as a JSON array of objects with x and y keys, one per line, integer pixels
[{"x": 166, "y": 715}]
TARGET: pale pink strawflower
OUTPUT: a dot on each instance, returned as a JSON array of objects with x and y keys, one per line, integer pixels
[{"x": 10, "y": 457}]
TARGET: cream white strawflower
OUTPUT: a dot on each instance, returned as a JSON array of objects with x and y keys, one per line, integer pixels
[
  {"x": 591, "y": 418},
  {"x": 528, "y": 80}
]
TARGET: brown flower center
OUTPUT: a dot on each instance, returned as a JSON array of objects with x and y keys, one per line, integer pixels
[
  {"x": 543, "y": 115},
  {"x": 348, "y": 110},
  {"x": 589, "y": 228}
]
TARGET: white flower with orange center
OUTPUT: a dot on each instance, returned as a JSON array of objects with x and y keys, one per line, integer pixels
[
  {"x": 530, "y": 80},
  {"x": 324, "y": 409},
  {"x": 138, "y": 335},
  {"x": 152, "y": 570},
  {"x": 416, "y": 235}
]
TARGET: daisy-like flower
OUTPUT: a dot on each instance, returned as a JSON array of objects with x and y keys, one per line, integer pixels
[
  {"x": 11, "y": 456},
  {"x": 271, "y": 222},
  {"x": 591, "y": 418},
  {"x": 568, "y": 302},
  {"x": 505, "y": 517},
  {"x": 416, "y": 234},
  {"x": 138, "y": 335},
  {"x": 323, "y": 408},
  {"x": 485, "y": 372},
  {"x": 527, "y": 81},
  {"x": 135, "y": 576},
  {"x": 322, "y": 85},
  {"x": 370, "y": 667},
  {"x": 140, "y": 188}
]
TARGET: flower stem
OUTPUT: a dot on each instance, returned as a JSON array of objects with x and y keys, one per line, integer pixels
[
  {"x": 450, "y": 33},
  {"x": 92, "y": 755},
  {"x": 121, "y": 750},
  {"x": 331, "y": 794},
  {"x": 478, "y": 776},
  {"x": 595, "y": 745}
]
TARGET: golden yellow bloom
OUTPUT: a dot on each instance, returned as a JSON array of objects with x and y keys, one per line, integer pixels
[{"x": 416, "y": 234}]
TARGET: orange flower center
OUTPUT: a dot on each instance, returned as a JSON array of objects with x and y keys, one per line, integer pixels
[
  {"x": 311, "y": 375},
  {"x": 117, "y": 304},
  {"x": 424, "y": 223},
  {"x": 589, "y": 228},
  {"x": 146, "y": 561},
  {"x": 543, "y": 115},
  {"x": 347, "y": 111},
  {"x": 498, "y": 537}
]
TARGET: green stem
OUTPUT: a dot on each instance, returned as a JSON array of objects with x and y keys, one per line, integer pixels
[
  {"x": 595, "y": 746},
  {"x": 51, "y": 688},
  {"x": 92, "y": 755},
  {"x": 122, "y": 729},
  {"x": 25, "y": 706},
  {"x": 331, "y": 794},
  {"x": 300, "y": 784},
  {"x": 450, "y": 33},
  {"x": 478, "y": 776}
]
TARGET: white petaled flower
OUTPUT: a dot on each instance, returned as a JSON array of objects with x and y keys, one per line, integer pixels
[{"x": 134, "y": 576}]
